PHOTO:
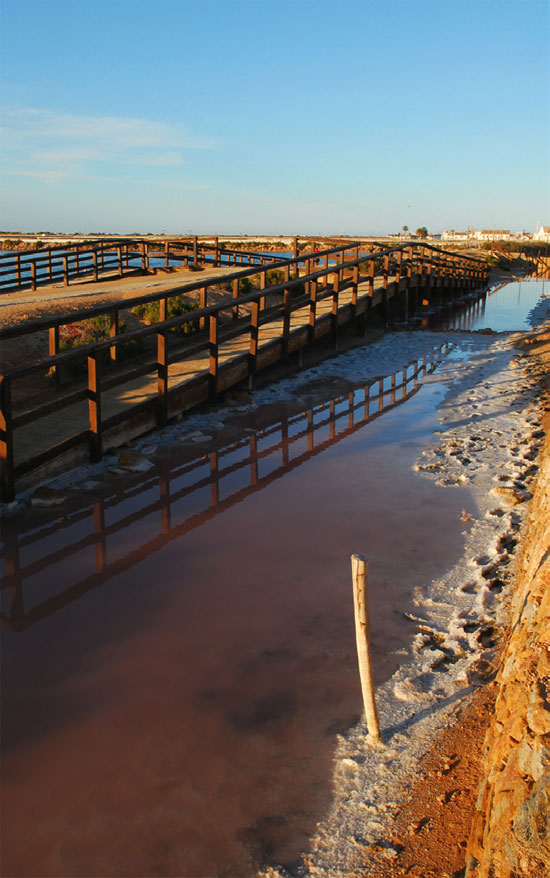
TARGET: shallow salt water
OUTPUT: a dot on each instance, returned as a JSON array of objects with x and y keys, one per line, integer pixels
[
  {"x": 513, "y": 306},
  {"x": 179, "y": 659}
]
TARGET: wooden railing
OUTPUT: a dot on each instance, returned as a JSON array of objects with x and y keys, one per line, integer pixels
[
  {"x": 393, "y": 281},
  {"x": 253, "y": 462},
  {"x": 61, "y": 264}
]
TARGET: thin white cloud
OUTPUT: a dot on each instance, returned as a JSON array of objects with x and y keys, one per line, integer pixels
[{"x": 52, "y": 145}]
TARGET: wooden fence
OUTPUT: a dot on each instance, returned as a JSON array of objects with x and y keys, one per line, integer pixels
[
  {"x": 319, "y": 293},
  {"x": 205, "y": 486},
  {"x": 119, "y": 257}
]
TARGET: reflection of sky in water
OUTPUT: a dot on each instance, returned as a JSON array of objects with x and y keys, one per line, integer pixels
[{"x": 515, "y": 306}]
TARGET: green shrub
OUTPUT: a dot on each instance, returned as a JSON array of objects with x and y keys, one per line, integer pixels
[
  {"x": 150, "y": 313},
  {"x": 274, "y": 276},
  {"x": 245, "y": 286}
]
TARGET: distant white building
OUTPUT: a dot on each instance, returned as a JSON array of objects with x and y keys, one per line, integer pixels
[
  {"x": 542, "y": 234},
  {"x": 493, "y": 235},
  {"x": 455, "y": 236}
]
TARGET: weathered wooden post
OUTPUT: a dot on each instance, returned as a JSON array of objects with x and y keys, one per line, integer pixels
[
  {"x": 287, "y": 304},
  {"x": 359, "y": 570},
  {"x": 114, "y": 326},
  {"x": 253, "y": 350},
  {"x": 213, "y": 357},
  {"x": 203, "y": 299},
  {"x": 94, "y": 408},
  {"x": 312, "y": 312},
  {"x": 235, "y": 297},
  {"x": 53, "y": 350},
  {"x": 162, "y": 378},
  {"x": 334, "y": 308}
]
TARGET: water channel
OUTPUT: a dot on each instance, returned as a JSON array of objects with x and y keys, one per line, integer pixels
[{"x": 179, "y": 644}]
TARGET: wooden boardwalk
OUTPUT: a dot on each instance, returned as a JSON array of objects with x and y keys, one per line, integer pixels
[{"x": 319, "y": 293}]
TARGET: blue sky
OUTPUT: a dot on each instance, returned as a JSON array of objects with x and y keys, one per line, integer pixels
[{"x": 274, "y": 116}]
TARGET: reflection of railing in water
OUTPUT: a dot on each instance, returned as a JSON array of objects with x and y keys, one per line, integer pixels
[{"x": 306, "y": 434}]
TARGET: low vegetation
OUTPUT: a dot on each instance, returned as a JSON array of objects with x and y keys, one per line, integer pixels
[
  {"x": 149, "y": 313},
  {"x": 87, "y": 332}
]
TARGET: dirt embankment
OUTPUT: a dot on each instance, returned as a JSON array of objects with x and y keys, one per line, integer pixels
[{"x": 510, "y": 835}]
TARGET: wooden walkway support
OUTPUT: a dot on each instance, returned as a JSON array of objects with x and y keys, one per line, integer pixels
[{"x": 319, "y": 294}]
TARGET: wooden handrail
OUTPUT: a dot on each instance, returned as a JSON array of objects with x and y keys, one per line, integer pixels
[{"x": 436, "y": 270}]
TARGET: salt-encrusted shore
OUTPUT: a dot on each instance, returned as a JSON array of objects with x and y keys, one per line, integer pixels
[{"x": 487, "y": 444}]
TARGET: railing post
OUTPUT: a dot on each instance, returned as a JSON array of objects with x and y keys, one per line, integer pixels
[
  {"x": 53, "y": 350},
  {"x": 312, "y": 312},
  {"x": 162, "y": 378},
  {"x": 195, "y": 250},
  {"x": 263, "y": 283},
  {"x": 202, "y": 304},
  {"x": 18, "y": 269},
  {"x": 287, "y": 301},
  {"x": 94, "y": 408},
  {"x": 66, "y": 270},
  {"x": 166, "y": 255},
  {"x": 216, "y": 252},
  {"x": 235, "y": 296},
  {"x": 33, "y": 274},
  {"x": 76, "y": 261},
  {"x": 94, "y": 261},
  {"x": 386, "y": 271},
  {"x": 295, "y": 250},
  {"x": 113, "y": 332},
  {"x": 334, "y": 309},
  {"x": 253, "y": 353},
  {"x": 7, "y": 476},
  {"x": 213, "y": 360},
  {"x": 370, "y": 277},
  {"x": 120, "y": 265},
  {"x": 355, "y": 285}
]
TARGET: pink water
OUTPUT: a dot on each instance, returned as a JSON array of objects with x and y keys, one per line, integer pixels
[{"x": 173, "y": 686}]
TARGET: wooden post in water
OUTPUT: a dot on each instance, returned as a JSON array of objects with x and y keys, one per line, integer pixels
[{"x": 359, "y": 571}]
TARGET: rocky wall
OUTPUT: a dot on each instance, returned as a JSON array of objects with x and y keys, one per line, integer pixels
[{"x": 510, "y": 836}]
